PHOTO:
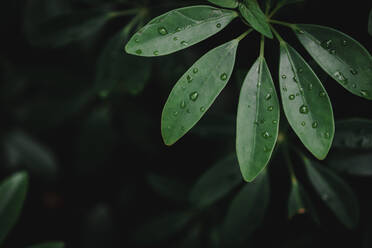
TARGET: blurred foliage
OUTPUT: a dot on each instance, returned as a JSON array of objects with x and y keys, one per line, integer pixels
[{"x": 81, "y": 118}]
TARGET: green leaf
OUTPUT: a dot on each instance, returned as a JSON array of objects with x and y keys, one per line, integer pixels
[
  {"x": 225, "y": 3},
  {"x": 117, "y": 69},
  {"x": 299, "y": 202},
  {"x": 305, "y": 102},
  {"x": 370, "y": 23},
  {"x": 49, "y": 245},
  {"x": 168, "y": 187},
  {"x": 12, "y": 195},
  {"x": 216, "y": 182},
  {"x": 252, "y": 13},
  {"x": 342, "y": 57},
  {"x": 257, "y": 123},
  {"x": 334, "y": 192},
  {"x": 354, "y": 134},
  {"x": 178, "y": 29},
  {"x": 196, "y": 90},
  {"x": 352, "y": 163},
  {"x": 247, "y": 211},
  {"x": 162, "y": 227},
  {"x": 64, "y": 29}
]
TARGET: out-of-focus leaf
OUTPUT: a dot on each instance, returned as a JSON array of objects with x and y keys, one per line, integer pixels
[
  {"x": 117, "y": 69},
  {"x": 216, "y": 182},
  {"x": 354, "y": 134},
  {"x": 196, "y": 91},
  {"x": 216, "y": 126},
  {"x": 179, "y": 29},
  {"x": 162, "y": 227},
  {"x": 306, "y": 104},
  {"x": 246, "y": 211},
  {"x": 257, "y": 123},
  {"x": 167, "y": 187},
  {"x": 352, "y": 163},
  {"x": 23, "y": 151},
  {"x": 98, "y": 227},
  {"x": 253, "y": 14},
  {"x": 192, "y": 238},
  {"x": 49, "y": 245},
  {"x": 334, "y": 192},
  {"x": 225, "y": 3},
  {"x": 342, "y": 57},
  {"x": 12, "y": 195}
]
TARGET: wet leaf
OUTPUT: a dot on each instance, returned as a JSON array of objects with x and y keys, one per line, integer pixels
[
  {"x": 334, "y": 192},
  {"x": 246, "y": 211},
  {"x": 225, "y": 3},
  {"x": 196, "y": 90},
  {"x": 178, "y": 29},
  {"x": 305, "y": 102},
  {"x": 342, "y": 57},
  {"x": 252, "y": 13},
  {"x": 257, "y": 120},
  {"x": 216, "y": 182},
  {"x": 12, "y": 194}
]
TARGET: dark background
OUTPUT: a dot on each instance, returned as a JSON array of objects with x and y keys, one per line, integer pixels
[{"x": 89, "y": 171}]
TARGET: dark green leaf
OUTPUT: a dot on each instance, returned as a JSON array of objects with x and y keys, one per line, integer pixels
[
  {"x": 178, "y": 29},
  {"x": 216, "y": 182},
  {"x": 162, "y": 227},
  {"x": 64, "y": 29},
  {"x": 196, "y": 90},
  {"x": 225, "y": 3},
  {"x": 334, "y": 192},
  {"x": 117, "y": 69},
  {"x": 246, "y": 211},
  {"x": 353, "y": 133},
  {"x": 253, "y": 14},
  {"x": 12, "y": 195},
  {"x": 353, "y": 163},
  {"x": 257, "y": 122},
  {"x": 370, "y": 23},
  {"x": 49, "y": 245},
  {"x": 305, "y": 102},
  {"x": 342, "y": 57}
]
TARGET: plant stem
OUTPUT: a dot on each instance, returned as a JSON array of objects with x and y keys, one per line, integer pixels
[
  {"x": 243, "y": 35},
  {"x": 135, "y": 20},
  {"x": 124, "y": 12},
  {"x": 289, "y": 162},
  {"x": 278, "y": 7},
  {"x": 287, "y": 24},
  {"x": 262, "y": 46},
  {"x": 277, "y": 35}
]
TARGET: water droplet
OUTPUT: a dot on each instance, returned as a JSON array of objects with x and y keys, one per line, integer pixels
[
  {"x": 303, "y": 123},
  {"x": 178, "y": 29},
  {"x": 327, "y": 135},
  {"x": 340, "y": 77},
  {"x": 175, "y": 38},
  {"x": 258, "y": 84},
  {"x": 266, "y": 149},
  {"x": 156, "y": 52},
  {"x": 262, "y": 121},
  {"x": 275, "y": 121},
  {"x": 189, "y": 79},
  {"x": 300, "y": 31},
  {"x": 326, "y": 44},
  {"x": 169, "y": 127},
  {"x": 218, "y": 25},
  {"x": 139, "y": 51},
  {"x": 315, "y": 124},
  {"x": 285, "y": 89},
  {"x": 183, "y": 104},
  {"x": 300, "y": 70},
  {"x": 332, "y": 51},
  {"x": 301, "y": 90},
  {"x": 188, "y": 111},
  {"x": 268, "y": 96},
  {"x": 270, "y": 108},
  {"x": 195, "y": 70},
  {"x": 304, "y": 109},
  {"x": 297, "y": 94},
  {"x": 194, "y": 96},
  {"x": 183, "y": 87},
  {"x": 223, "y": 76},
  {"x": 175, "y": 113},
  {"x": 322, "y": 94},
  {"x": 295, "y": 79},
  {"x": 266, "y": 135},
  {"x": 162, "y": 31},
  {"x": 291, "y": 97},
  {"x": 202, "y": 109},
  {"x": 184, "y": 43},
  {"x": 364, "y": 92},
  {"x": 344, "y": 42},
  {"x": 136, "y": 40},
  {"x": 353, "y": 71},
  {"x": 310, "y": 86},
  {"x": 354, "y": 86},
  {"x": 256, "y": 123},
  {"x": 284, "y": 76}
]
